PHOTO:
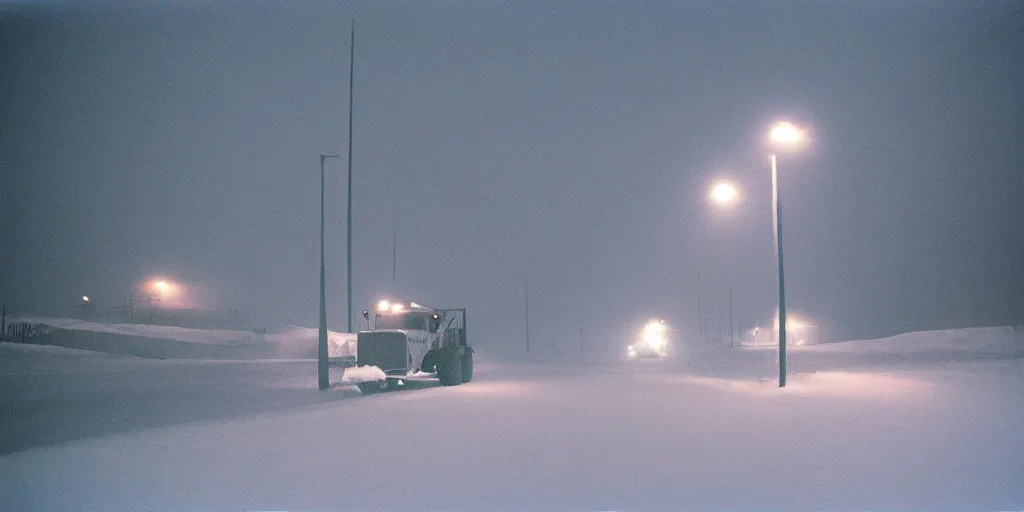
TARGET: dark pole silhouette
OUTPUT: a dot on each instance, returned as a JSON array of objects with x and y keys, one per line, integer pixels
[
  {"x": 526, "y": 287},
  {"x": 777, "y": 208},
  {"x": 321, "y": 352},
  {"x": 348, "y": 236}
]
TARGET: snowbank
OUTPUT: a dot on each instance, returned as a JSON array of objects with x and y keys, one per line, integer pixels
[
  {"x": 184, "y": 334},
  {"x": 986, "y": 340},
  {"x": 339, "y": 344},
  {"x": 162, "y": 342},
  {"x": 15, "y": 349},
  {"x": 360, "y": 374}
]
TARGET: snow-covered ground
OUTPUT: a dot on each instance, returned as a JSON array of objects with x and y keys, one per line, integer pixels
[
  {"x": 210, "y": 336},
  {"x": 893, "y": 432},
  {"x": 163, "y": 342},
  {"x": 9, "y": 350},
  {"x": 291, "y": 335},
  {"x": 971, "y": 342}
]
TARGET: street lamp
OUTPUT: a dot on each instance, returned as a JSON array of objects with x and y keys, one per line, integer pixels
[
  {"x": 87, "y": 307},
  {"x": 723, "y": 193},
  {"x": 786, "y": 133},
  {"x": 321, "y": 353},
  {"x": 783, "y": 135}
]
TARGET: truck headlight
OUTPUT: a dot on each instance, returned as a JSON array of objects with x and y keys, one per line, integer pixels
[{"x": 654, "y": 335}]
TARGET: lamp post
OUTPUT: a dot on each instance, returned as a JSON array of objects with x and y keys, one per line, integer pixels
[
  {"x": 782, "y": 134},
  {"x": 321, "y": 353},
  {"x": 348, "y": 203},
  {"x": 777, "y": 231}
]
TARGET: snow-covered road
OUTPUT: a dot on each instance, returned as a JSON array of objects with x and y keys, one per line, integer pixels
[
  {"x": 538, "y": 437},
  {"x": 66, "y": 396}
]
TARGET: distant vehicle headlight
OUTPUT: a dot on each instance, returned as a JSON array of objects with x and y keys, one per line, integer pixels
[{"x": 654, "y": 335}]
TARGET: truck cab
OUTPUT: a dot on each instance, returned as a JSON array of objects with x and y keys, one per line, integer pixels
[
  {"x": 411, "y": 340},
  {"x": 652, "y": 342}
]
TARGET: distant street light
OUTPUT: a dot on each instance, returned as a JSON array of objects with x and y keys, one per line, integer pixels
[
  {"x": 87, "y": 307},
  {"x": 787, "y": 134},
  {"x": 323, "y": 379},
  {"x": 783, "y": 135},
  {"x": 163, "y": 290},
  {"x": 723, "y": 193}
]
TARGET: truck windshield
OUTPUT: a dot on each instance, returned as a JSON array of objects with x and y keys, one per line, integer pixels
[{"x": 409, "y": 321}]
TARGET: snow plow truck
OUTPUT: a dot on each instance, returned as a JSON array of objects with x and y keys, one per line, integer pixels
[{"x": 412, "y": 343}]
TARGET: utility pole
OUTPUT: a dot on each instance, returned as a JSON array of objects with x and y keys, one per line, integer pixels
[
  {"x": 323, "y": 372},
  {"x": 721, "y": 330},
  {"x": 394, "y": 255},
  {"x": 700, "y": 313},
  {"x": 732, "y": 339},
  {"x": 777, "y": 208},
  {"x": 348, "y": 236},
  {"x": 581, "y": 341},
  {"x": 526, "y": 287}
]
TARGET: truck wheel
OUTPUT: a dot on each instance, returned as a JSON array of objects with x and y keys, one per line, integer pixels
[
  {"x": 429, "y": 363},
  {"x": 449, "y": 368},
  {"x": 467, "y": 366}
]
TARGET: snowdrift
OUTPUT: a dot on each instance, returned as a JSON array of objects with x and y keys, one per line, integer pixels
[
  {"x": 979, "y": 340},
  {"x": 10, "y": 350},
  {"x": 168, "y": 342},
  {"x": 185, "y": 334},
  {"x": 923, "y": 347}
]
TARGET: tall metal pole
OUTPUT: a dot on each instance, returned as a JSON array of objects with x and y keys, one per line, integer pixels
[
  {"x": 777, "y": 209},
  {"x": 700, "y": 313},
  {"x": 394, "y": 255},
  {"x": 348, "y": 236},
  {"x": 526, "y": 287},
  {"x": 321, "y": 351},
  {"x": 721, "y": 328},
  {"x": 732, "y": 339}
]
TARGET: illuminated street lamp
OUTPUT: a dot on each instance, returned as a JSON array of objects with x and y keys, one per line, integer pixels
[
  {"x": 86, "y": 307},
  {"x": 723, "y": 193},
  {"x": 163, "y": 290},
  {"x": 783, "y": 135}
]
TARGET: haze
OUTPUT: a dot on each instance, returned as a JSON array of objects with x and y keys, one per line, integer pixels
[{"x": 575, "y": 144}]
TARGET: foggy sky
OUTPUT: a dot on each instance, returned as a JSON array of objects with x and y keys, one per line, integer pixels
[{"x": 573, "y": 143}]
